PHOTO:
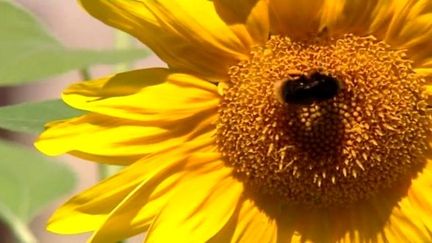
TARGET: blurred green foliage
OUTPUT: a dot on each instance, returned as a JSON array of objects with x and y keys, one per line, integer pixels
[
  {"x": 28, "y": 180},
  {"x": 29, "y": 53},
  {"x": 32, "y": 117},
  {"x": 28, "y": 183}
]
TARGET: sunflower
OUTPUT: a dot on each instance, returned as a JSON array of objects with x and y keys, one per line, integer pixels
[{"x": 276, "y": 121}]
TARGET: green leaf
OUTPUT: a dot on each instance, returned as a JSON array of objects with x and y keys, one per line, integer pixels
[
  {"x": 32, "y": 117},
  {"x": 28, "y": 52},
  {"x": 28, "y": 183}
]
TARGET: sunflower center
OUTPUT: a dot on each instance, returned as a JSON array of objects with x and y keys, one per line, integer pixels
[{"x": 287, "y": 136}]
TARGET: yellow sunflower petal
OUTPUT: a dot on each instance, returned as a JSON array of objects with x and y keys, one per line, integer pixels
[
  {"x": 206, "y": 202},
  {"x": 135, "y": 213},
  {"x": 424, "y": 67},
  {"x": 247, "y": 18},
  {"x": 144, "y": 111},
  {"x": 254, "y": 225},
  {"x": 419, "y": 196},
  {"x": 120, "y": 138},
  {"x": 404, "y": 24},
  {"x": 145, "y": 95},
  {"x": 187, "y": 34},
  {"x": 405, "y": 224},
  {"x": 411, "y": 29},
  {"x": 295, "y": 18},
  {"x": 357, "y": 17},
  {"x": 404, "y": 220},
  {"x": 250, "y": 223},
  {"x": 90, "y": 209}
]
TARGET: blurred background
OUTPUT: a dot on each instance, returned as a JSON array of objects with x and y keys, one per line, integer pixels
[{"x": 75, "y": 30}]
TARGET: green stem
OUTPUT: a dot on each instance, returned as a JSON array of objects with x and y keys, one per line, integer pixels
[
  {"x": 85, "y": 74},
  {"x": 122, "y": 41},
  {"x": 103, "y": 171},
  {"x": 18, "y": 227}
]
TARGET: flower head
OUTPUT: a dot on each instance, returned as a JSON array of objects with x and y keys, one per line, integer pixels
[{"x": 276, "y": 121}]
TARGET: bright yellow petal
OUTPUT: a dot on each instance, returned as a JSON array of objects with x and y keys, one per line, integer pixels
[
  {"x": 250, "y": 223},
  {"x": 90, "y": 209},
  {"x": 187, "y": 34},
  {"x": 145, "y": 95},
  {"x": 405, "y": 224},
  {"x": 295, "y": 18},
  {"x": 254, "y": 225},
  {"x": 136, "y": 212},
  {"x": 361, "y": 17},
  {"x": 249, "y": 19},
  {"x": 404, "y": 24},
  {"x": 424, "y": 67},
  {"x": 411, "y": 29},
  {"x": 419, "y": 200},
  {"x": 401, "y": 222},
  {"x": 410, "y": 216},
  {"x": 119, "y": 138},
  {"x": 198, "y": 210},
  {"x": 137, "y": 113}
]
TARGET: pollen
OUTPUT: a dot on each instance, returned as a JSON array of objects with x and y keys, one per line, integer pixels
[{"x": 362, "y": 141}]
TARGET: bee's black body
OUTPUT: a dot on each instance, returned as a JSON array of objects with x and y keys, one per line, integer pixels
[{"x": 304, "y": 90}]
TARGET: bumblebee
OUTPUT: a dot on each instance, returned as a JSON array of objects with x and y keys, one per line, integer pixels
[{"x": 301, "y": 89}]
